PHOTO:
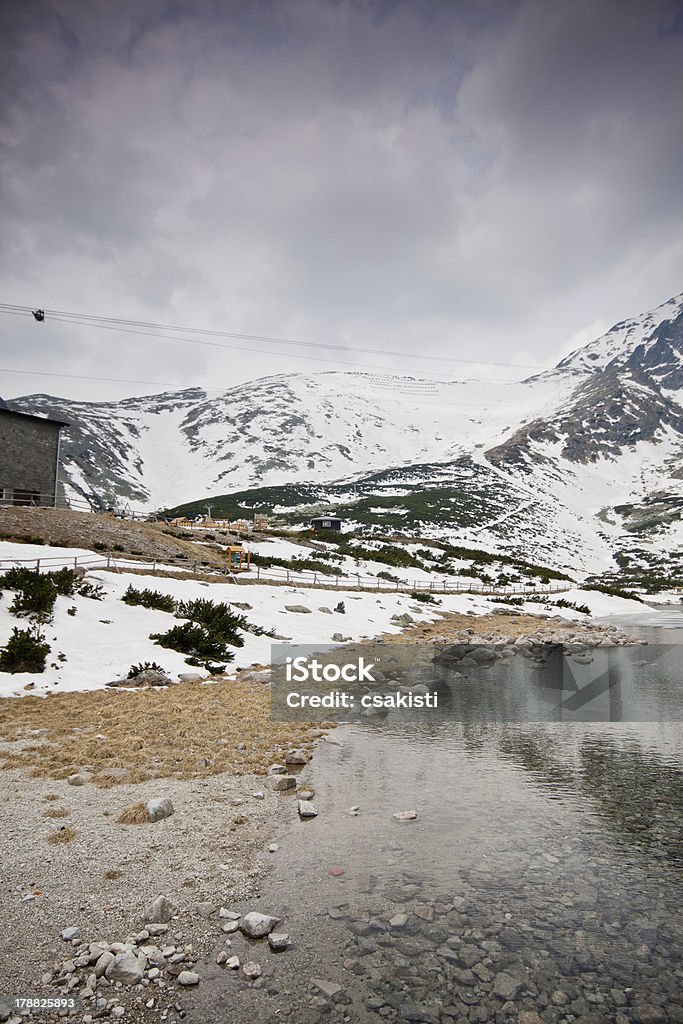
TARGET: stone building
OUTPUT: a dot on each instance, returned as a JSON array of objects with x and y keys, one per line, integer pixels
[{"x": 29, "y": 458}]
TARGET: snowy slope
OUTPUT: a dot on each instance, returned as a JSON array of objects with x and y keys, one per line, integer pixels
[{"x": 537, "y": 463}]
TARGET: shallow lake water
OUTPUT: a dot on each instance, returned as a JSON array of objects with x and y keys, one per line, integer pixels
[{"x": 541, "y": 881}]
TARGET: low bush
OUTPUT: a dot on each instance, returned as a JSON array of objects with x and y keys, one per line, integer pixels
[
  {"x": 94, "y": 591},
  {"x": 630, "y": 595},
  {"x": 35, "y": 595},
  {"x": 144, "y": 666},
  {"x": 149, "y": 599},
  {"x": 384, "y": 575},
  {"x": 25, "y": 651},
  {"x": 563, "y": 603},
  {"x": 219, "y": 619},
  {"x": 197, "y": 641},
  {"x": 424, "y": 597}
]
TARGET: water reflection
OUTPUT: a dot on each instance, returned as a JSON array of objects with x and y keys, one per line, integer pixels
[{"x": 542, "y": 876}]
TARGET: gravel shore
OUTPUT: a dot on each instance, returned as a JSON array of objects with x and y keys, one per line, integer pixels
[{"x": 204, "y": 855}]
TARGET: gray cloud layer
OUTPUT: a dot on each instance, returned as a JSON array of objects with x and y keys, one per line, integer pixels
[{"x": 475, "y": 179}]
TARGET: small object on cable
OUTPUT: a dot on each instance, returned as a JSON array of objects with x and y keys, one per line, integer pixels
[{"x": 39, "y": 315}]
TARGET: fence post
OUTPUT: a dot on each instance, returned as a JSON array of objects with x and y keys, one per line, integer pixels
[
  {"x": 108, "y": 561},
  {"x": 37, "y": 565}
]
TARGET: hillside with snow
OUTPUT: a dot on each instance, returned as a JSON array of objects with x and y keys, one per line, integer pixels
[{"x": 580, "y": 466}]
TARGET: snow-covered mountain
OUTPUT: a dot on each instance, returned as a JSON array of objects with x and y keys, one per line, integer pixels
[{"x": 583, "y": 462}]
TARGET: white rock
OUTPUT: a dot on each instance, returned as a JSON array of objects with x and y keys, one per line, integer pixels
[
  {"x": 233, "y": 963},
  {"x": 102, "y": 962},
  {"x": 188, "y": 978},
  {"x": 257, "y": 926},
  {"x": 158, "y": 808},
  {"x": 278, "y": 941},
  {"x": 70, "y": 933},
  {"x": 273, "y": 848},
  {"x": 405, "y": 815},
  {"x": 296, "y": 757},
  {"x": 306, "y": 809},
  {"x": 157, "y": 929},
  {"x": 281, "y": 783},
  {"x": 328, "y": 988},
  {"x": 159, "y": 911},
  {"x": 76, "y": 779},
  {"x": 126, "y": 967},
  {"x": 251, "y": 970}
]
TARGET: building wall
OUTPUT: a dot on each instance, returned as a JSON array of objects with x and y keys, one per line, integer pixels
[{"x": 28, "y": 455}]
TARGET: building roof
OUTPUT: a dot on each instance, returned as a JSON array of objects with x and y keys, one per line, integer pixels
[{"x": 4, "y": 408}]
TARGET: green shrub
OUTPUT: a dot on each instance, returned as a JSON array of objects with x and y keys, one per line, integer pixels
[
  {"x": 212, "y": 667},
  {"x": 144, "y": 666},
  {"x": 563, "y": 603},
  {"x": 85, "y": 588},
  {"x": 196, "y": 641},
  {"x": 149, "y": 599},
  {"x": 219, "y": 619},
  {"x": 25, "y": 651},
  {"x": 384, "y": 575},
  {"x": 36, "y": 593},
  {"x": 616, "y": 592},
  {"x": 64, "y": 581},
  {"x": 424, "y": 597}
]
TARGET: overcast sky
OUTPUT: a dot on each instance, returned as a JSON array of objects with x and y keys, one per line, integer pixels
[{"x": 475, "y": 179}]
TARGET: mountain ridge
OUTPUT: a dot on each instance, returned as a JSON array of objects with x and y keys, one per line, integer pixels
[{"x": 601, "y": 429}]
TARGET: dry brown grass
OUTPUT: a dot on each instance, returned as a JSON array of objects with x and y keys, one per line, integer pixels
[
  {"x": 186, "y": 731},
  {"x": 52, "y": 796},
  {"x": 113, "y": 874},
  {"x": 62, "y": 835},
  {"x": 136, "y": 814},
  {"x": 57, "y": 812},
  {"x": 124, "y": 538},
  {"x": 452, "y": 622}
]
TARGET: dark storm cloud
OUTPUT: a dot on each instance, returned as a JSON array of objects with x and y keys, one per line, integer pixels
[{"x": 474, "y": 177}]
